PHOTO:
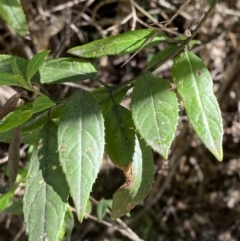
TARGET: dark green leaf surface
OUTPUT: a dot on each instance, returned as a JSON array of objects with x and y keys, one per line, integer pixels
[
  {"x": 65, "y": 70},
  {"x": 120, "y": 44},
  {"x": 34, "y": 63},
  {"x": 195, "y": 86},
  {"x": 12, "y": 71},
  {"x": 6, "y": 64},
  {"x": 81, "y": 145},
  {"x": 120, "y": 136},
  {"x": 104, "y": 97},
  {"x": 155, "y": 111},
  {"x": 139, "y": 179},
  {"x": 46, "y": 190},
  {"x": 159, "y": 56},
  {"x": 42, "y": 103},
  {"x": 12, "y": 13}
]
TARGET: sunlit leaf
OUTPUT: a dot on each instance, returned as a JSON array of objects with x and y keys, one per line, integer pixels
[
  {"x": 42, "y": 103},
  {"x": 64, "y": 70},
  {"x": 35, "y": 62},
  {"x": 81, "y": 146},
  {"x": 195, "y": 86},
  {"x": 128, "y": 42},
  {"x": 155, "y": 111}
]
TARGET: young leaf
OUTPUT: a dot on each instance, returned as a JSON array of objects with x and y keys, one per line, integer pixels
[
  {"x": 20, "y": 115},
  {"x": 195, "y": 86},
  {"x": 155, "y": 111},
  {"x": 120, "y": 44},
  {"x": 139, "y": 178},
  {"x": 64, "y": 70},
  {"x": 120, "y": 135},
  {"x": 18, "y": 74},
  {"x": 6, "y": 199},
  {"x": 15, "y": 68},
  {"x": 42, "y": 103},
  {"x": 13, "y": 14},
  {"x": 34, "y": 63},
  {"x": 46, "y": 190},
  {"x": 81, "y": 145},
  {"x": 102, "y": 207}
]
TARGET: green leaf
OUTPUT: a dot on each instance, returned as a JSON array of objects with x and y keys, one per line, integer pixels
[
  {"x": 6, "y": 64},
  {"x": 42, "y": 103},
  {"x": 159, "y": 56},
  {"x": 102, "y": 207},
  {"x": 15, "y": 68},
  {"x": 64, "y": 70},
  {"x": 155, "y": 111},
  {"x": 120, "y": 44},
  {"x": 30, "y": 129},
  {"x": 16, "y": 208},
  {"x": 139, "y": 179},
  {"x": 81, "y": 146},
  {"x": 12, "y": 71},
  {"x": 6, "y": 199},
  {"x": 195, "y": 86},
  {"x": 12, "y": 13},
  {"x": 120, "y": 136},
  {"x": 104, "y": 97},
  {"x": 34, "y": 63},
  {"x": 20, "y": 115},
  {"x": 46, "y": 191},
  {"x": 67, "y": 228}
]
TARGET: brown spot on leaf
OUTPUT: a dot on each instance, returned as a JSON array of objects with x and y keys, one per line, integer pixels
[{"x": 198, "y": 72}]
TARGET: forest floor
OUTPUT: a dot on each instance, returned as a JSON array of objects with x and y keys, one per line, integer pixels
[{"x": 194, "y": 196}]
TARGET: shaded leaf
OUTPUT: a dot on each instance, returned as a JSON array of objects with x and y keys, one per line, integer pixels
[
  {"x": 120, "y": 44},
  {"x": 195, "y": 86},
  {"x": 155, "y": 111},
  {"x": 81, "y": 145},
  {"x": 120, "y": 135},
  {"x": 34, "y": 63},
  {"x": 12, "y": 13},
  {"x": 12, "y": 71},
  {"x": 139, "y": 178},
  {"x": 102, "y": 207},
  {"x": 105, "y": 97},
  {"x": 46, "y": 190},
  {"x": 159, "y": 56},
  {"x": 10, "y": 105},
  {"x": 13, "y": 159},
  {"x": 64, "y": 70}
]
